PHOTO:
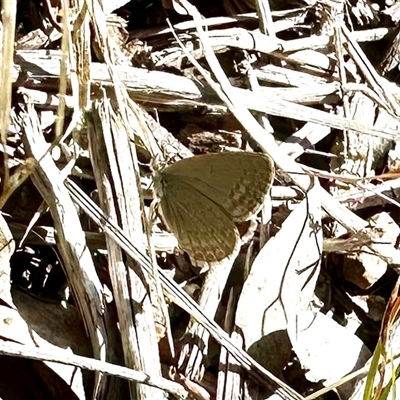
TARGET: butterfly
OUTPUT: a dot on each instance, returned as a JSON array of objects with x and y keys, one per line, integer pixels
[{"x": 202, "y": 197}]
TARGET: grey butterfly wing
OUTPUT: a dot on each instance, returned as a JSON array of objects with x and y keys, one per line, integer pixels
[
  {"x": 237, "y": 181},
  {"x": 202, "y": 228}
]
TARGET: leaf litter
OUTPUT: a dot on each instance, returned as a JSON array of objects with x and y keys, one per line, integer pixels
[{"x": 308, "y": 306}]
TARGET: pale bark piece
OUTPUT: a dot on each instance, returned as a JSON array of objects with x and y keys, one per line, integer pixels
[
  {"x": 79, "y": 267},
  {"x": 360, "y": 154},
  {"x": 193, "y": 351},
  {"x": 281, "y": 284},
  {"x": 7, "y": 249},
  {"x": 364, "y": 268},
  {"x": 169, "y": 90},
  {"x": 113, "y": 164},
  {"x": 110, "y": 6},
  {"x": 327, "y": 350}
]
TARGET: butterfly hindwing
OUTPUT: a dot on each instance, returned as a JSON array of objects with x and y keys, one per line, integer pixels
[{"x": 202, "y": 228}]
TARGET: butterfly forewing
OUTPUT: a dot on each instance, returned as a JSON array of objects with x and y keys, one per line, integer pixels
[
  {"x": 237, "y": 182},
  {"x": 202, "y": 228}
]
